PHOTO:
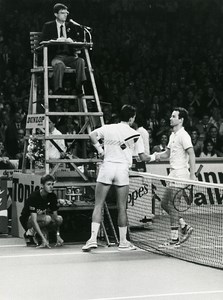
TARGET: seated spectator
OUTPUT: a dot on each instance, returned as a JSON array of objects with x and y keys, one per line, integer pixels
[
  {"x": 216, "y": 139},
  {"x": 155, "y": 105},
  {"x": 163, "y": 144},
  {"x": 203, "y": 127},
  {"x": 197, "y": 144},
  {"x": 208, "y": 149},
  {"x": 54, "y": 152},
  {"x": 151, "y": 139},
  {"x": 5, "y": 163},
  {"x": 163, "y": 129},
  {"x": 11, "y": 139},
  {"x": 212, "y": 98},
  {"x": 21, "y": 141},
  {"x": 192, "y": 118},
  {"x": 216, "y": 119},
  {"x": 39, "y": 215},
  {"x": 153, "y": 123}
]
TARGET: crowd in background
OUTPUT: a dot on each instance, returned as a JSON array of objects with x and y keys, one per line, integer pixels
[{"x": 153, "y": 54}]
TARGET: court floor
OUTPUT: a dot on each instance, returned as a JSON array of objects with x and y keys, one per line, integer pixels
[{"x": 104, "y": 274}]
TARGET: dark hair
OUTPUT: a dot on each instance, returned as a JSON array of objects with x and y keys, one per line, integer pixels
[
  {"x": 53, "y": 119},
  {"x": 193, "y": 128},
  {"x": 58, "y": 6},
  {"x": 140, "y": 121},
  {"x": 46, "y": 178},
  {"x": 205, "y": 150},
  {"x": 183, "y": 113},
  {"x": 127, "y": 112},
  {"x": 213, "y": 127}
]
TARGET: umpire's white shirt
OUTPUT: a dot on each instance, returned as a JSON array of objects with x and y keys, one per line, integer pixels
[
  {"x": 179, "y": 142},
  {"x": 120, "y": 141},
  {"x": 54, "y": 153}
]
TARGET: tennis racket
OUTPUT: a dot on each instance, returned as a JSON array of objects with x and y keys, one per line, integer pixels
[{"x": 183, "y": 198}]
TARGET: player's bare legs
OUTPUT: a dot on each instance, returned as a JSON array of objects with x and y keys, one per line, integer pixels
[
  {"x": 165, "y": 201},
  {"x": 101, "y": 192},
  {"x": 122, "y": 197},
  {"x": 175, "y": 219}
]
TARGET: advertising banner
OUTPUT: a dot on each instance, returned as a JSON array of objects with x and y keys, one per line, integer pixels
[
  {"x": 3, "y": 205},
  {"x": 35, "y": 121},
  {"x": 145, "y": 193},
  {"x": 22, "y": 186}
]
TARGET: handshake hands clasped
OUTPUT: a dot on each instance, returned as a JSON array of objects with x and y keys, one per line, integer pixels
[{"x": 155, "y": 157}]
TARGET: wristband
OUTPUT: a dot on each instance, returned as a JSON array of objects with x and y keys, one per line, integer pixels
[
  {"x": 152, "y": 157},
  {"x": 98, "y": 147}
]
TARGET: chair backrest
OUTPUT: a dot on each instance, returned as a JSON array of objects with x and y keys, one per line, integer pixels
[{"x": 34, "y": 40}]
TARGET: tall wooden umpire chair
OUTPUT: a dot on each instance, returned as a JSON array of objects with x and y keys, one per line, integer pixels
[{"x": 87, "y": 119}]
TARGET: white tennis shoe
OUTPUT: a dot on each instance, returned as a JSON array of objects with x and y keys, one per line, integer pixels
[
  {"x": 170, "y": 244},
  {"x": 127, "y": 246},
  {"x": 89, "y": 245}
]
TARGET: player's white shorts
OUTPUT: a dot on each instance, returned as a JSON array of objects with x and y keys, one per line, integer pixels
[
  {"x": 114, "y": 173},
  {"x": 179, "y": 174}
]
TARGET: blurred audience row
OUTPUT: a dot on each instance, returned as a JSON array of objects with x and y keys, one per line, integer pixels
[{"x": 152, "y": 54}]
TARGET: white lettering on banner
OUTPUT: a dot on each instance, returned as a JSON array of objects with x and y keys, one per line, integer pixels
[{"x": 35, "y": 121}]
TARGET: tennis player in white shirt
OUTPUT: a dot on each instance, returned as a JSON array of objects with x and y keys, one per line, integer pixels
[
  {"x": 182, "y": 165},
  {"x": 120, "y": 141}
]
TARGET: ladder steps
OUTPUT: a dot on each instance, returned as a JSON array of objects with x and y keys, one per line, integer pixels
[
  {"x": 73, "y": 184},
  {"x": 78, "y": 114},
  {"x": 70, "y": 97},
  {"x": 68, "y": 137},
  {"x": 59, "y": 137},
  {"x": 74, "y": 160},
  {"x": 50, "y": 69}
]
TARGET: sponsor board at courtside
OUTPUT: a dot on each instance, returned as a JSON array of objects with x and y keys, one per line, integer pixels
[
  {"x": 145, "y": 195},
  {"x": 22, "y": 186}
]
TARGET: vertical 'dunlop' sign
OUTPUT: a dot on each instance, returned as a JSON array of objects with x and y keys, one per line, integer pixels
[{"x": 35, "y": 121}]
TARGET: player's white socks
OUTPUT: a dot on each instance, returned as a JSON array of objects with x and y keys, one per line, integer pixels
[
  {"x": 174, "y": 233},
  {"x": 122, "y": 234},
  {"x": 30, "y": 231},
  {"x": 182, "y": 223},
  {"x": 94, "y": 231}
]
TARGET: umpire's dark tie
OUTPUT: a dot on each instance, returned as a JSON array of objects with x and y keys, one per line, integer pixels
[{"x": 61, "y": 30}]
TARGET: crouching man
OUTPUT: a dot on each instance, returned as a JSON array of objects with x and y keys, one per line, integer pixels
[{"x": 39, "y": 215}]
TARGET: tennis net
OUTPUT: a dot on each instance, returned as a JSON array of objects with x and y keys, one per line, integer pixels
[{"x": 150, "y": 225}]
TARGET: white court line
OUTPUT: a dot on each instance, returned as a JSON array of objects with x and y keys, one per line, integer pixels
[
  {"x": 160, "y": 295},
  {"x": 8, "y": 246},
  {"x": 63, "y": 253}
]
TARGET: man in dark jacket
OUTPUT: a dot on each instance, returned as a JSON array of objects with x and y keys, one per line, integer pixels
[{"x": 63, "y": 55}]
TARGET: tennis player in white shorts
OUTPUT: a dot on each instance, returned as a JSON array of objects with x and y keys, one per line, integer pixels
[
  {"x": 182, "y": 165},
  {"x": 120, "y": 141}
]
